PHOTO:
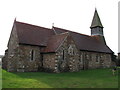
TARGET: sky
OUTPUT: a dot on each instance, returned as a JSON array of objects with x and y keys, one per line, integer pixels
[{"x": 74, "y": 15}]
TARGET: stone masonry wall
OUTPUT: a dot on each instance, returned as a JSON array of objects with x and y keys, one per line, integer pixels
[
  {"x": 92, "y": 60},
  {"x": 49, "y": 62},
  {"x": 13, "y": 42},
  {"x": 18, "y": 56},
  {"x": 20, "y": 61},
  {"x": 69, "y": 59},
  {"x": 4, "y": 60},
  {"x": 66, "y": 59},
  {"x": 25, "y": 64},
  {"x": 12, "y": 61},
  {"x": 11, "y": 56}
]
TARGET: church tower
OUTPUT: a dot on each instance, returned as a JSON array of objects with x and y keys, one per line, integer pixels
[{"x": 96, "y": 26}]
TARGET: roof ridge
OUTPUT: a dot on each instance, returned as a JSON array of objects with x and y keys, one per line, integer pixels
[
  {"x": 73, "y": 32},
  {"x": 32, "y": 25},
  {"x": 40, "y": 36},
  {"x": 65, "y": 33}
]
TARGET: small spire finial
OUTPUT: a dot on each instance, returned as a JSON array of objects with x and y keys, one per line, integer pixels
[
  {"x": 95, "y": 9},
  {"x": 96, "y": 20},
  {"x": 15, "y": 19},
  {"x": 54, "y": 29},
  {"x": 52, "y": 24}
]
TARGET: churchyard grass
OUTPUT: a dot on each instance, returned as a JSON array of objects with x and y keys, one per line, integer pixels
[
  {"x": 0, "y": 78},
  {"x": 97, "y": 78}
]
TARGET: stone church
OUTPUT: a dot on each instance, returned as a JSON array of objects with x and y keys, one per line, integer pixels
[{"x": 33, "y": 48}]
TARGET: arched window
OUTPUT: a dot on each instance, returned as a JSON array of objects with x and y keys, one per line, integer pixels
[
  {"x": 97, "y": 58},
  {"x": 63, "y": 56},
  {"x": 87, "y": 56},
  {"x": 32, "y": 55},
  {"x": 70, "y": 50},
  {"x": 81, "y": 58}
]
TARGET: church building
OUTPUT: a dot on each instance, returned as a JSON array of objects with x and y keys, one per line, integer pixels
[{"x": 34, "y": 48}]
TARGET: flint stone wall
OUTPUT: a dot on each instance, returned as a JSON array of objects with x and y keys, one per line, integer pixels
[
  {"x": 62, "y": 61},
  {"x": 92, "y": 60},
  {"x": 49, "y": 62},
  {"x": 11, "y": 58},
  {"x": 18, "y": 56},
  {"x": 4, "y": 60},
  {"x": 21, "y": 60},
  {"x": 25, "y": 63}
]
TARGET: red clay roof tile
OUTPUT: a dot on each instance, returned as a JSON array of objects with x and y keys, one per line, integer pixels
[
  {"x": 85, "y": 42},
  {"x": 54, "y": 42},
  {"x": 33, "y": 35},
  {"x": 36, "y": 35}
]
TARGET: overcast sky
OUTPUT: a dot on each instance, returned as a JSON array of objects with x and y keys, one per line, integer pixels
[{"x": 75, "y": 15}]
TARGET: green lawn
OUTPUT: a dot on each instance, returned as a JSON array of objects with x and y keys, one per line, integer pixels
[
  {"x": 0, "y": 78},
  {"x": 97, "y": 78}
]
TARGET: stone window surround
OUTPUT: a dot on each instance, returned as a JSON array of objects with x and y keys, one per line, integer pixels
[
  {"x": 32, "y": 55},
  {"x": 81, "y": 58},
  {"x": 63, "y": 55},
  {"x": 70, "y": 50},
  {"x": 97, "y": 58},
  {"x": 87, "y": 56}
]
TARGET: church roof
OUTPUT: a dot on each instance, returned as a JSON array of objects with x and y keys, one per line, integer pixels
[
  {"x": 40, "y": 36},
  {"x": 55, "y": 41},
  {"x": 96, "y": 20},
  {"x": 32, "y": 35},
  {"x": 86, "y": 42}
]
